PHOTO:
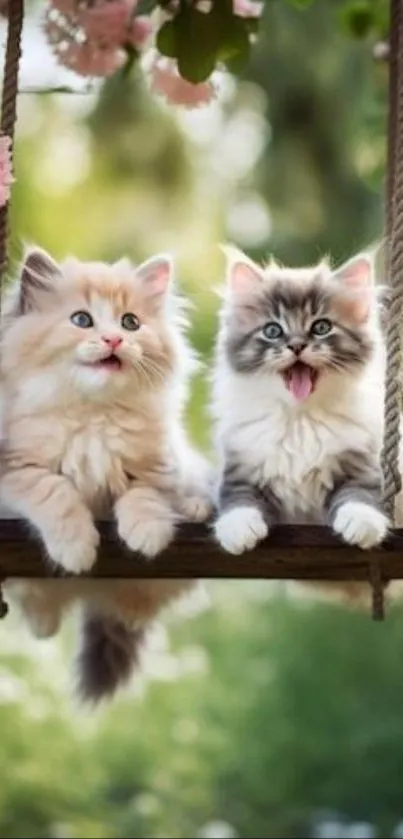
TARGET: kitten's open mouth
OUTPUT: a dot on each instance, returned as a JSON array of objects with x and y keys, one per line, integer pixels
[
  {"x": 111, "y": 362},
  {"x": 301, "y": 380}
]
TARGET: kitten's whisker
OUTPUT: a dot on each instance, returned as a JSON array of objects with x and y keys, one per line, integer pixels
[
  {"x": 149, "y": 372},
  {"x": 154, "y": 368}
]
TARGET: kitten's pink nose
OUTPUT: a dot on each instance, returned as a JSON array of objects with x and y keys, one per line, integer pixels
[
  {"x": 297, "y": 345},
  {"x": 113, "y": 342}
]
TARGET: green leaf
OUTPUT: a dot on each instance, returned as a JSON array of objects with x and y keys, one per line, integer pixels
[
  {"x": 197, "y": 44},
  {"x": 235, "y": 44},
  {"x": 167, "y": 42},
  {"x": 358, "y": 18},
  {"x": 196, "y": 67},
  {"x": 199, "y": 41},
  {"x": 236, "y": 63},
  {"x": 145, "y": 7}
]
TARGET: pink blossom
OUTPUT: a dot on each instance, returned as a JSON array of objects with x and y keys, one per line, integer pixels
[
  {"x": 65, "y": 7},
  {"x": 84, "y": 57},
  {"x": 247, "y": 8},
  {"x": 72, "y": 46},
  {"x": 54, "y": 31},
  {"x": 6, "y": 175},
  {"x": 90, "y": 60},
  {"x": 140, "y": 31},
  {"x": 166, "y": 81},
  {"x": 89, "y": 36},
  {"x": 107, "y": 22}
]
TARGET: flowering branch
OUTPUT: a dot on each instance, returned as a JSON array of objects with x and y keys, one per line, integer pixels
[{"x": 192, "y": 38}]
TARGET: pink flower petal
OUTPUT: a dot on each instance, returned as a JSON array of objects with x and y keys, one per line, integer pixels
[
  {"x": 166, "y": 81},
  {"x": 89, "y": 36},
  {"x": 6, "y": 174},
  {"x": 98, "y": 51},
  {"x": 89, "y": 60},
  {"x": 141, "y": 30},
  {"x": 65, "y": 7},
  {"x": 107, "y": 22},
  {"x": 247, "y": 8}
]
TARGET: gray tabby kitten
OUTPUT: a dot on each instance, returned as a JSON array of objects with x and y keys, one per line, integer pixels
[{"x": 298, "y": 400}]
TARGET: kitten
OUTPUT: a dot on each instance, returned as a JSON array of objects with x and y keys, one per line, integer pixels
[
  {"x": 94, "y": 367},
  {"x": 298, "y": 399}
]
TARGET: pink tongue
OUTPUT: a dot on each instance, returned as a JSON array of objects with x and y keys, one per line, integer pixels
[{"x": 300, "y": 382}]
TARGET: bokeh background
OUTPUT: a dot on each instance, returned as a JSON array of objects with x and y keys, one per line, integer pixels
[{"x": 259, "y": 712}]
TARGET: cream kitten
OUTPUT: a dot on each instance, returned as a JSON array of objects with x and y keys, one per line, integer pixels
[
  {"x": 298, "y": 398},
  {"x": 93, "y": 375}
]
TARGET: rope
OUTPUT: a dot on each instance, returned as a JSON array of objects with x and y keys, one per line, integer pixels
[
  {"x": 7, "y": 126},
  {"x": 390, "y": 454},
  {"x": 393, "y": 46},
  {"x": 377, "y": 585},
  {"x": 9, "y": 104}
]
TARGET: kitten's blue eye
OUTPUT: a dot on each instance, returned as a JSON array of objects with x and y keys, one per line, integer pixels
[
  {"x": 272, "y": 331},
  {"x": 130, "y": 321},
  {"x": 82, "y": 319},
  {"x": 321, "y": 326}
]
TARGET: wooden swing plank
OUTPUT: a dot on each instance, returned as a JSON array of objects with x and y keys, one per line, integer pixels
[{"x": 290, "y": 553}]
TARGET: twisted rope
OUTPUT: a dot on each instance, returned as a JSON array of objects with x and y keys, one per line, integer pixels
[
  {"x": 7, "y": 126},
  {"x": 393, "y": 47},
  {"x": 390, "y": 454},
  {"x": 378, "y": 590},
  {"x": 9, "y": 105}
]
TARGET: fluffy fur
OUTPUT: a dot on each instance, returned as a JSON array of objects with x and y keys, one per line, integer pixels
[
  {"x": 94, "y": 366},
  {"x": 298, "y": 401},
  {"x": 109, "y": 650}
]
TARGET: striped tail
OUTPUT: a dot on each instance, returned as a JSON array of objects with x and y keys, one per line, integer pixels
[{"x": 108, "y": 655}]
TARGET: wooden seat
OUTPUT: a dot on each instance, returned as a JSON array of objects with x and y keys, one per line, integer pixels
[{"x": 290, "y": 553}]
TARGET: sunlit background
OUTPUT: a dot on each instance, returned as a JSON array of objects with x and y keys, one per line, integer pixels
[{"x": 258, "y": 713}]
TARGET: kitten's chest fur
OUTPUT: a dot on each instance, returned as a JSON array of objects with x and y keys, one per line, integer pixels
[
  {"x": 93, "y": 457},
  {"x": 300, "y": 454},
  {"x": 103, "y": 453},
  {"x": 302, "y": 459},
  {"x": 100, "y": 445}
]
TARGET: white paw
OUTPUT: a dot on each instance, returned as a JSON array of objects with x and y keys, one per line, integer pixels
[
  {"x": 74, "y": 546},
  {"x": 148, "y": 537},
  {"x": 360, "y": 524},
  {"x": 240, "y": 529},
  {"x": 196, "y": 508}
]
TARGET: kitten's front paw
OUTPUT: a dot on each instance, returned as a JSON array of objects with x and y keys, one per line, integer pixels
[
  {"x": 73, "y": 544},
  {"x": 148, "y": 537},
  {"x": 240, "y": 529},
  {"x": 360, "y": 524},
  {"x": 196, "y": 508}
]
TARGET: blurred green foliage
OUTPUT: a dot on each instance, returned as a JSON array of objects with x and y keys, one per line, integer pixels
[
  {"x": 220, "y": 34},
  {"x": 263, "y": 709},
  {"x": 262, "y": 713}
]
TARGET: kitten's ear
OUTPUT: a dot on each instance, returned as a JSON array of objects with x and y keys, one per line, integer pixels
[
  {"x": 38, "y": 273},
  {"x": 155, "y": 276},
  {"x": 355, "y": 279},
  {"x": 243, "y": 276}
]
